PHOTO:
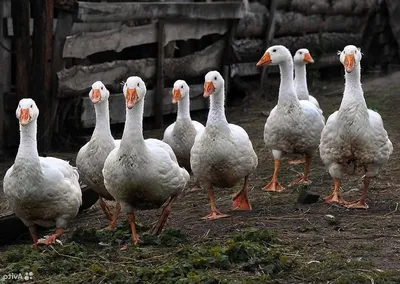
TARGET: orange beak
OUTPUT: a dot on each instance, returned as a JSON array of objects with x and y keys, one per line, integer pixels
[
  {"x": 131, "y": 98},
  {"x": 95, "y": 96},
  {"x": 24, "y": 116},
  {"x": 349, "y": 62},
  {"x": 208, "y": 89},
  {"x": 266, "y": 59},
  {"x": 307, "y": 58},
  {"x": 176, "y": 95}
]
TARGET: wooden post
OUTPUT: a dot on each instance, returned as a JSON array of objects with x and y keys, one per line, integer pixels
[
  {"x": 268, "y": 39},
  {"x": 65, "y": 22},
  {"x": 227, "y": 57},
  {"x": 5, "y": 61},
  {"x": 158, "y": 103},
  {"x": 42, "y": 42},
  {"x": 22, "y": 40}
]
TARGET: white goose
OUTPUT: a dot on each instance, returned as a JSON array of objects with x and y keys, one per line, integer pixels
[
  {"x": 91, "y": 157},
  {"x": 354, "y": 140},
  {"x": 142, "y": 174},
  {"x": 222, "y": 154},
  {"x": 180, "y": 134},
  {"x": 301, "y": 59},
  {"x": 294, "y": 126},
  {"x": 43, "y": 191}
]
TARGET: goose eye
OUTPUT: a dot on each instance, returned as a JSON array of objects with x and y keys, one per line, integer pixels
[
  {"x": 215, "y": 78},
  {"x": 355, "y": 51},
  {"x": 301, "y": 52},
  {"x": 31, "y": 106},
  {"x": 274, "y": 50},
  {"x": 138, "y": 84},
  {"x": 102, "y": 88},
  {"x": 181, "y": 87}
]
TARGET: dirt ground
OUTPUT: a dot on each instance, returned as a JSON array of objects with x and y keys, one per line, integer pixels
[{"x": 306, "y": 246}]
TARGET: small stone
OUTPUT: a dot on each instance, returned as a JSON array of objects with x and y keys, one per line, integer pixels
[
  {"x": 306, "y": 197},
  {"x": 265, "y": 113}
]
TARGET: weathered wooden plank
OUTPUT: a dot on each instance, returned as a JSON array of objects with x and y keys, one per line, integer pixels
[
  {"x": 84, "y": 44},
  {"x": 250, "y": 68},
  {"x": 329, "y": 7},
  {"x": 76, "y": 28},
  {"x": 117, "y": 105},
  {"x": 78, "y": 79},
  {"x": 112, "y": 12}
]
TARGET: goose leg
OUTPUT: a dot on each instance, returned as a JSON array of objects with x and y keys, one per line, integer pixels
[
  {"x": 114, "y": 219},
  {"x": 32, "y": 231},
  {"x": 304, "y": 178},
  {"x": 361, "y": 204},
  {"x": 131, "y": 221},
  {"x": 105, "y": 208},
  {"x": 196, "y": 186},
  {"x": 274, "y": 185},
  {"x": 241, "y": 200},
  {"x": 335, "y": 197},
  {"x": 215, "y": 214},
  {"x": 164, "y": 216},
  {"x": 52, "y": 238}
]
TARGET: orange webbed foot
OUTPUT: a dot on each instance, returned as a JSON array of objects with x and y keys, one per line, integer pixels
[
  {"x": 215, "y": 215},
  {"x": 273, "y": 185},
  {"x": 196, "y": 187},
  {"x": 297, "y": 161},
  {"x": 241, "y": 201},
  {"x": 335, "y": 198},
  {"x": 357, "y": 205},
  {"x": 301, "y": 180}
]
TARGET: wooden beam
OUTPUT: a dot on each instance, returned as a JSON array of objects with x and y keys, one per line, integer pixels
[
  {"x": 20, "y": 13},
  {"x": 5, "y": 78},
  {"x": 77, "y": 80},
  {"x": 158, "y": 100},
  {"x": 84, "y": 44},
  {"x": 42, "y": 43},
  {"x": 117, "y": 106},
  {"x": 111, "y": 12}
]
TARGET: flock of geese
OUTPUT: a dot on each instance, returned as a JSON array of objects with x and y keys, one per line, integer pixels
[{"x": 142, "y": 174}]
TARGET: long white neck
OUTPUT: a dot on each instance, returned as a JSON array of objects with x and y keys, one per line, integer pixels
[
  {"x": 27, "y": 150},
  {"x": 102, "y": 127},
  {"x": 300, "y": 81},
  {"x": 353, "y": 94},
  {"x": 133, "y": 130},
  {"x": 184, "y": 108},
  {"x": 216, "y": 115},
  {"x": 287, "y": 93}
]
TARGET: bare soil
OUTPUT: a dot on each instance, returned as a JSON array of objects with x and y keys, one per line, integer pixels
[{"x": 358, "y": 246}]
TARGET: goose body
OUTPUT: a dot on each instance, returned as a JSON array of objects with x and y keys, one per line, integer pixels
[
  {"x": 43, "y": 191},
  {"x": 142, "y": 174},
  {"x": 301, "y": 59},
  {"x": 294, "y": 126},
  {"x": 91, "y": 157},
  {"x": 222, "y": 153},
  {"x": 180, "y": 135},
  {"x": 354, "y": 140}
]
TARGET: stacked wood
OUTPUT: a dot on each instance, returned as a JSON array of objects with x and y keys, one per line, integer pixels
[
  {"x": 327, "y": 7},
  {"x": 292, "y": 23},
  {"x": 249, "y": 50},
  {"x": 253, "y": 23},
  {"x": 77, "y": 80}
]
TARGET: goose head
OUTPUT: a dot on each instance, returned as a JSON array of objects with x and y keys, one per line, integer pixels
[
  {"x": 350, "y": 57},
  {"x": 134, "y": 90},
  {"x": 98, "y": 93},
  {"x": 302, "y": 57},
  {"x": 213, "y": 83},
  {"x": 27, "y": 111},
  {"x": 180, "y": 90},
  {"x": 275, "y": 55}
]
